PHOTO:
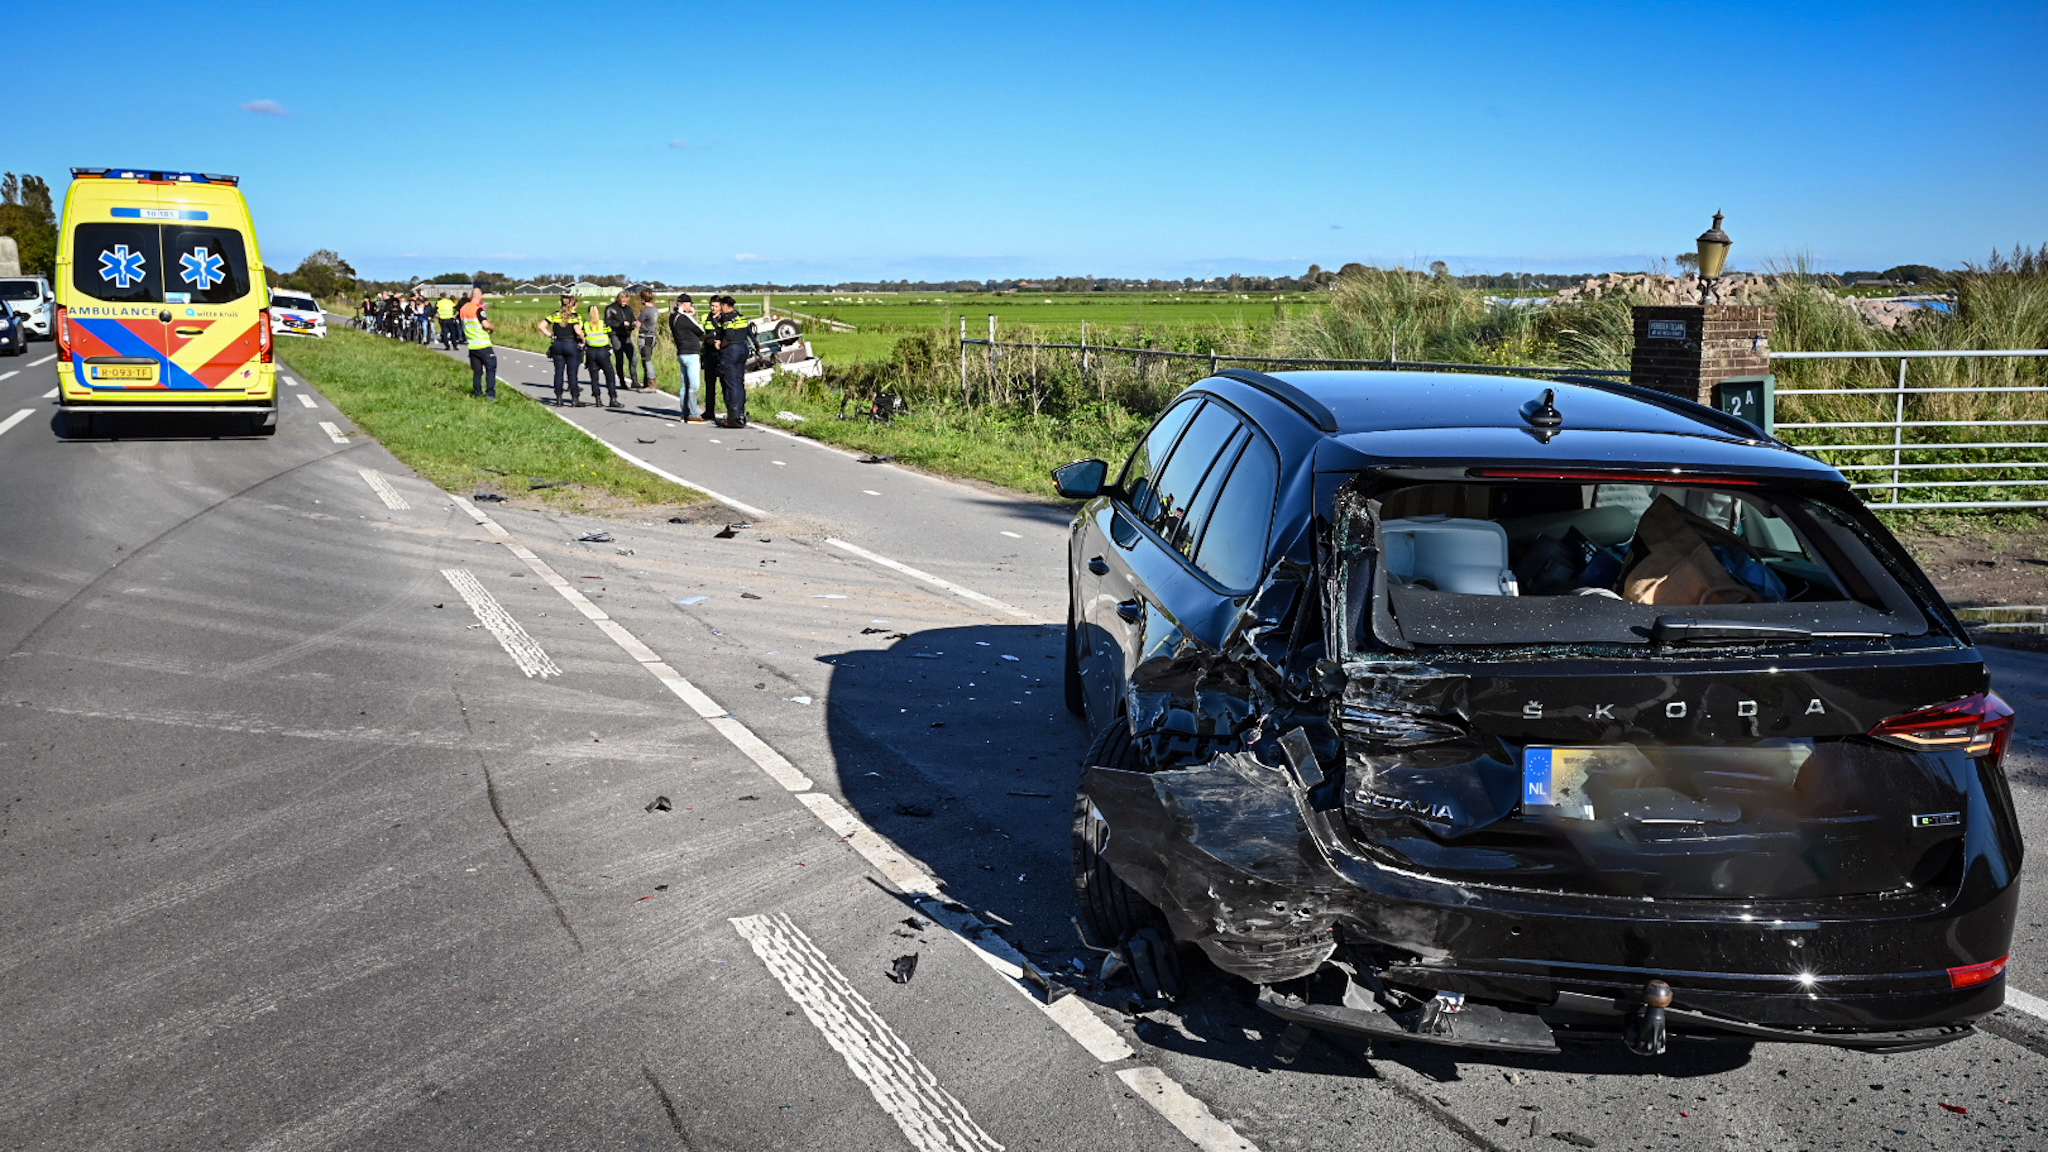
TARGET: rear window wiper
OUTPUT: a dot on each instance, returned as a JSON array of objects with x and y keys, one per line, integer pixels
[{"x": 1688, "y": 630}]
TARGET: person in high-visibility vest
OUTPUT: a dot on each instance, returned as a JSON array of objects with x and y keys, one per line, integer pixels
[
  {"x": 564, "y": 329},
  {"x": 597, "y": 356},
  {"x": 733, "y": 336},
  {"x": 444, "y": 311},
  {"x": 476, "y": 333}
]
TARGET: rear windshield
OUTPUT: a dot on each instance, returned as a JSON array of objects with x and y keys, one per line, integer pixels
[
  {"x": 159, "y": 264},
  {"x": 20, "y": 290},
  {"x": 1549, "y": 563},
  {"x": 299, "y": 303}
]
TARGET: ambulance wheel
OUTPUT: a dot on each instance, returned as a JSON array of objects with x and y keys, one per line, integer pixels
[{"x": 75, "y": 425}]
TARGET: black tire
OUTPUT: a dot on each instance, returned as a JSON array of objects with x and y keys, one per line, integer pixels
[
  {"x": 786, "y": 330},
  {"x": 75, "y": 425},
  {"x": 1112, "y": 909},
  {"x": 257, "y": 427}
]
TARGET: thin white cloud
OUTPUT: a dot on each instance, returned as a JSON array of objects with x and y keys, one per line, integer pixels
[
  {"x": 747, "y": 256},
  {"x": 678, "y": 144},
  {"x": 265, "y": 108}
]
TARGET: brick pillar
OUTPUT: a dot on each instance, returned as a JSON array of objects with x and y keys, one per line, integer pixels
[{"x": 1688, "y": 349}]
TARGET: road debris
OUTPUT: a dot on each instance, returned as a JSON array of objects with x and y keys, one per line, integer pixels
[
  {"x": 1574, "y": 1139},
  {"x": 595, "y": 538},
  {"x": 829, "y": 595},
  {"x": 748, "y": 596},
  {"x": 686, "y": 601},
  {"x": 875, "y": 459},
  {"x": 489, "y": 498},
  {"x": 1032, "y": 795},
  {"x": 533, "y": 482},
  {"x": 902, "y": 969},
  {"x": 786, "y": 414},
  {"x": 1958, "y": 1109},
  {"x": 915, "y": 924},
  {"x": 637, "y": 439},
  {"x": 917, "y": 810},
  {"x": 798, "y": 699},
  {"x": 750, "y": 797},
  {"x": 679, "y": 519},
  {"x": 659, "y": 804},
  {"x": 1011, "y": 659},
  {"x": 731, "y": 530}
]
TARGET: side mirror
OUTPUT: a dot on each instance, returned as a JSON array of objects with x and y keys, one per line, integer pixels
[{"x": 1081, "y": 480}]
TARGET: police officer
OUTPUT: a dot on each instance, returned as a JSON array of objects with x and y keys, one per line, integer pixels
[
  {"x": 564, "y": 330},
  {"x": 733, "y": 337},
  {"x": 476, "y": 333},
  {"x": 444, "y": 311},
  {"x": 597, "y": 356}
]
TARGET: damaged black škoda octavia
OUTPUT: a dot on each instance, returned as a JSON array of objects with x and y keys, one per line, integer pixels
[{"x": 1487, "y": 711}]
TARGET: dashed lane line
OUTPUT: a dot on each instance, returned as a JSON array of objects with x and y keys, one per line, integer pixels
[
  {"x": 2026, "y": 1002},
  {"x": 930, "y": 1117},
  {"x": 1070, "y": 1013},
  {"x": 10, "y": 375},
  {"x": 381, "y": 485},
  {"x": 523, "y": 648},
  {"x": 333, "y": 433},
  {"x": 934, "y": 581},
  {"x": 1183, "y": 1111},
  {"x": 43, "y": 361},
  {"x": 17, "y": 418},
  {"x": 306, "y": 398},
  {"x": 50, "y": 395}
]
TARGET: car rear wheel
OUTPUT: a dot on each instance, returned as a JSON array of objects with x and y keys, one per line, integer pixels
[{"x": 1113, "y": 910}]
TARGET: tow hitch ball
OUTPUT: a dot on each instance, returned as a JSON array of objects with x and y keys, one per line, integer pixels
[{"x": 1644, "y": 1032}]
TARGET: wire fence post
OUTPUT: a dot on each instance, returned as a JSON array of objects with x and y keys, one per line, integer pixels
[
  {"x": 965, "y": 397},
  {"x": 994, "y": 394},
  {"x": 1898, "y": 430},
  {"x": 1212, "y": 361}
]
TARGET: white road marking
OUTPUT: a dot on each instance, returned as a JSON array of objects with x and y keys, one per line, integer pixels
[
  {"x": 382, "y": 487},
  {"x": 43, "y": 361},
  {"x": 2030, "y": 1004},
  {"x": 671, "y": 477},
  {"x": 17, "y": 418},
  {"x": 934, "y": 581},
  {"x": 50, "y": 395},
  {"x": 289, "y": 381},
  {"x": 870, "y": 492},
  {"x": 10, "y": 375},
  {"x": 524, "y": 650},
  {"x": 1012, "y": 535},
  {"x": 333, "y": 433},
  {"x": 930, "y": 1118},
  {"x": 1184, "y": 1112},
  {"x": 306, "y": 398},
  {"x": 1070, "y": 1013}
]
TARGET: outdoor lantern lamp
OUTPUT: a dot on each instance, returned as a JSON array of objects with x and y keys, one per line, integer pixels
[{"x": 1713, "y": 248}]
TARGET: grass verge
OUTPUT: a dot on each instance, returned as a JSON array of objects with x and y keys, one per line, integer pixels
[
  {"x": 1017, "y": 450},
  {"x": 416, "y": 402}
]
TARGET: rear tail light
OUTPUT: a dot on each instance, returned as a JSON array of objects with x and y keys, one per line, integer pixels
[
  {"x": 1980, "y": 725},
  {"x": 263, "y": 336},
  {"x": 63, "y": 336},
  {"x": 1971, "y": 975}
]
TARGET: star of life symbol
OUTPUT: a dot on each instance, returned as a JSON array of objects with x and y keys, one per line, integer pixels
[
  {"x": 121, "y": 266},
  {"x": 201, "y": 268}
]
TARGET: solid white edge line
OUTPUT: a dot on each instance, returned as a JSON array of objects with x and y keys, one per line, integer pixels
[
  {"x": 1070, "y": 1013},
  {"x": 934, "y": 581},
  {"x": 664, "y": 473},
  {"x": 1183, "y": 1111},
  {"x": 2026, "y": 1002},
  {"x": 43, "y": 361},
  {"x": 17, "y": 418}
]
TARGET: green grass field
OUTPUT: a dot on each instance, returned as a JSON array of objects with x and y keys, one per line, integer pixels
[{"x": 416, "y": 403}]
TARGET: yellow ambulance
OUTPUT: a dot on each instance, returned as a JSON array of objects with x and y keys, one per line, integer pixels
[{"x": 161, "y": 300}]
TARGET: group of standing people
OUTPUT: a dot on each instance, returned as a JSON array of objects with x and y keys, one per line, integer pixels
[{"x": 711, "y": 353}]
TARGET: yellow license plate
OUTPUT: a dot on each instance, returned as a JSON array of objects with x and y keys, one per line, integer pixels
[{"x": 124, "y": 372}]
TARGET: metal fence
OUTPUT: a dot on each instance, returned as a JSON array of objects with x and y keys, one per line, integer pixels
[
  {"x": 1971, "y": 466},
  {"x": 1911, "y": 443}
]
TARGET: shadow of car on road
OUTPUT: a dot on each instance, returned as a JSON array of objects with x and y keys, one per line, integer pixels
[{"x": 955, "y": 743}]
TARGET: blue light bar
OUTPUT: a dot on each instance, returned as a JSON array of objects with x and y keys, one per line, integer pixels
[{"x": 154, "y": 174}]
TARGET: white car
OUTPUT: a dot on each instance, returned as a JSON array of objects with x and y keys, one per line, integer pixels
[
  {"x": 31, "y": 296},
  {"x": 296, "y": 314}
]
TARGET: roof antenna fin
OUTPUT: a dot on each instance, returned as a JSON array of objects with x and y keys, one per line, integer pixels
[{"x": 1543, "y": 413}]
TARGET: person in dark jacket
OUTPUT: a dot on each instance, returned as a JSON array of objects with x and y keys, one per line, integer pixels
[
  {"x": 733, "y": 337},
  {"x": 564, "y": 330},
  {"x": 624, "y": 321},
  {"x": 649, "y": 325},
  {"x": 687, "y": 331}
]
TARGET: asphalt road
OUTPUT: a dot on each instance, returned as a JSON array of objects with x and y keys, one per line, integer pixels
[{"x": 326, "y": 824}]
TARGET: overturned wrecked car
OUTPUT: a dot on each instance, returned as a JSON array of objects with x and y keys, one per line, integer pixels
[{"x": 1487, "y": 711}]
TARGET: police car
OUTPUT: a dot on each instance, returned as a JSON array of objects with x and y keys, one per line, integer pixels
[{"x": 296, "y": 314}]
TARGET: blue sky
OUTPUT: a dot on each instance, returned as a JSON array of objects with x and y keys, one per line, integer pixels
[{"x": 833, "y": 142}]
